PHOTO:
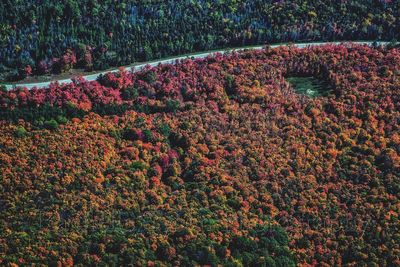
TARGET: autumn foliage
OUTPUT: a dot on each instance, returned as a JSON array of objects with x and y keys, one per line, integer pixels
[
  {"x": 208, "y": 161},
  {"x": 92, "y": 35}
]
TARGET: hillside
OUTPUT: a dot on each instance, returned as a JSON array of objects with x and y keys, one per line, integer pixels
[{"x": 224, "y": 160}]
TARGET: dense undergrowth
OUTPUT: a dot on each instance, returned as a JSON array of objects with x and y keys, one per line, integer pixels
[
  {"x": 214, "y": 161},
  {"x": 41, "y": 36}
]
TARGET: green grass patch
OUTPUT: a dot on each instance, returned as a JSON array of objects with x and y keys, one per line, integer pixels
[{"x": 310, "y": 86}]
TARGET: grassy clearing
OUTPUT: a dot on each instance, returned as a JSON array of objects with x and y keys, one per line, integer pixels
[{"x": 310, "y": 86}]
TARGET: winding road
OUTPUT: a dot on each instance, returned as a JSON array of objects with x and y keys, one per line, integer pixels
[{"x": 138, "y": 67}]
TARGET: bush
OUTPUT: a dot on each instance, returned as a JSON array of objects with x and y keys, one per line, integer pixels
[
  {"x": 230, "y": 88},
  {"x": 44, "y": 67},
  {"x": 130, "y": 93},
  {"x": 61, "y": 119},
  {"x": 149, "y": 76},
  {"x": 138, "y": 165},
  {"x": 164, "y": 129},
  {"x": 132, "y": 134},
  {"x": 51, "y": 124},
  {"x": 20, "y": 132},
  {"x": 148, "y": 136},
  {"x": 172, "y": 105}
]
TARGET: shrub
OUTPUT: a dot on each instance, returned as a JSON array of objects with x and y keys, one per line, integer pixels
[
  {"x": 51, "y": 124},
  {"x": 61, "y": 119},
  {"x": 230, "y": 85},
  {"x": 130, "y": 93},
  {"x": 138, "y": 165},
  {"x": 149, "y": 76},
  {"x": 172, "y": 105},
  {"x": 44, "y": 67},
  {"x": 148, "y": 136},
  {"x": 164, "y": 129},
  {"x": 20, "y": 132}
]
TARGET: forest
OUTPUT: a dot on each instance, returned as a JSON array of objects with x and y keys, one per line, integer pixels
[
  {"x": 40, "y": 37},
  {"x": 208, "y": 162}
]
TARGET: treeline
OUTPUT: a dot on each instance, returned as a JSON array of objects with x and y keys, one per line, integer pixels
[{"x": 42, "y": 36}]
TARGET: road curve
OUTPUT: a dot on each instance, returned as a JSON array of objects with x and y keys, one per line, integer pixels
[{"x": 93, "y": 77}]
